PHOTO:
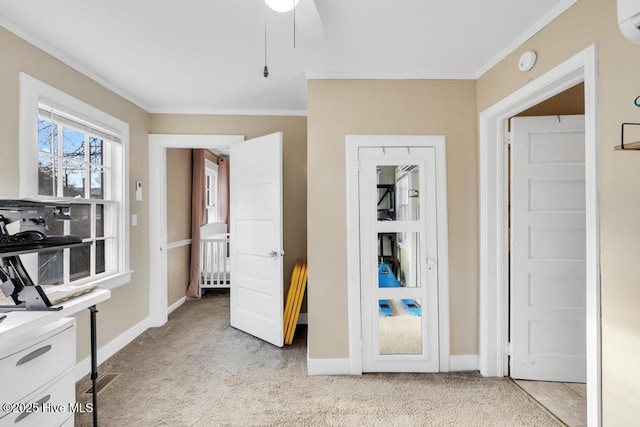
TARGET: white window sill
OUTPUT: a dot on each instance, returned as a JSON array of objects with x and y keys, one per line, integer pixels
[{"x": 108, "y": 282}]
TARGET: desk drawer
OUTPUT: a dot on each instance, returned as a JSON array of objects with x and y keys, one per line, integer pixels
[
  {"x": 42, "y": 360},
  {"x": 49, "y": 407}
]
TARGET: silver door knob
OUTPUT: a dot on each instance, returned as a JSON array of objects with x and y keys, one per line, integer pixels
[{"x": 275, "y": 254}]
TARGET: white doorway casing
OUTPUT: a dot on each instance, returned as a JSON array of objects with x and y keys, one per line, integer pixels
[
  {"x": 158, "y": 145},
  {"x": 582, "y": 67},
  {"x": 353, "y": 143}
]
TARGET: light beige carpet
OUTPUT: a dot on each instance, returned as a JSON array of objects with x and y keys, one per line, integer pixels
[
  {"x": 400, "y": 333},
  {"x": 198, "y": 371}
]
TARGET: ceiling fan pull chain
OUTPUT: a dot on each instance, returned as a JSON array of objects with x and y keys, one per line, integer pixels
[{"x": 265, "y": 73}]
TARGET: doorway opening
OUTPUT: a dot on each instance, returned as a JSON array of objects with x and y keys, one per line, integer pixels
[
  {"x": 547, "y": 272},
  {"x": 256, "y": 226},
  {"x": 494, "y": 226},
  {"x": 158, "y": 146}
]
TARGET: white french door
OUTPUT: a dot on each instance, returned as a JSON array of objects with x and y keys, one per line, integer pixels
[
  {"x": 548, "y": 249},
  {"x": 257, "y": 294},
  {"x": 398, "y": 259}
]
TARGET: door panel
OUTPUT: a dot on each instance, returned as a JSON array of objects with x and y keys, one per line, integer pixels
[
  {"x": 399, "y": 295},
  {"x": 548, "y": 249},
  {"x": 257, "y": 293}
]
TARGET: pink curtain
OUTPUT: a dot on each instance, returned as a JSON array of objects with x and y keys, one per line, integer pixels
[
  {"x": 198, "y": 218},
  {"x": 223, "y": 190}
]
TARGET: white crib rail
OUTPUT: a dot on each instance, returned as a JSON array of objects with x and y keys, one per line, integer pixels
[{"x": 214, "y": 261}]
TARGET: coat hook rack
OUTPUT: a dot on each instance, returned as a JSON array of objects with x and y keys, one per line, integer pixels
[{"x": 629, "y": 145}]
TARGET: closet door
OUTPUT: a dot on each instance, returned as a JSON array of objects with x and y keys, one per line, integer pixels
[
  {"x": 257, "y": 293},
  {"x": 399, "y": 280}
]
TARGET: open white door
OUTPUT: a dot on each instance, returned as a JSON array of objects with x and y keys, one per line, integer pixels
[
  {"x": 256, "y": 238},
  {"x": 548, "y": 249}
]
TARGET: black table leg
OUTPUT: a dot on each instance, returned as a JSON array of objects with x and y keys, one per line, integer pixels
[{"x": 94, "y": 364}]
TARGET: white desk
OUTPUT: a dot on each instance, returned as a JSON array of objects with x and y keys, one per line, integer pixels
[{"x": 19, "y": 323}]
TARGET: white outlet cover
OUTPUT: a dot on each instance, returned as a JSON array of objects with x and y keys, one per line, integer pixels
[{"x": 527, "y": 61}]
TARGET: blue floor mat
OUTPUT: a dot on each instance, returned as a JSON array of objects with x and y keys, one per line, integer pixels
[
  {"x": 385, "y": 307},
  {"x": 412, "y": 307}
]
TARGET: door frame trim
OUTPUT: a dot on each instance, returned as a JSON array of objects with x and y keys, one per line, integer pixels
[
  {"x": 493, "y": 176},
  {"x": 353, "y": 143},
  {"x": 158, "y": 144}
]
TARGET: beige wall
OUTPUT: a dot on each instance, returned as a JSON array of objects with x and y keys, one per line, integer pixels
[
  {"x": 569, "y": 102},
  {"x": 178, "y": 266},
  {"x": 294, "y": 131},
  {"x": 129, "y": 304},
  {"x": 340, "y": 107},
  {"x": 178, "y": 221},
  {"x": 587, "y": 22},
  {"x": 178, "y": 194},
  {"x": 211, "y": 157}
]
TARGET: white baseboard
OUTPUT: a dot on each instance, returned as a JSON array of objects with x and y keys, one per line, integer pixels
[
  {"x": 465, "y": 362},
  {"x": 328, "y": 366},
  {"x": 176, "y": 304},
  {"x": 303, "y": 319},
  {"x": 112, "y": 347}
]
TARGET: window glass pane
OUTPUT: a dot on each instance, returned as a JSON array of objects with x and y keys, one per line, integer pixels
[
  {"x": 47, "y": 140},
  {"x": 73, "y": 179},
  {"x": 72, "y": 144},
  {"x": 400, "y": 326},
  {"x": 97, "y": 183},
  {"x": 399, "y": 256},
  {"x": 46, "y": 176},
  {"x": 80, "y": 262},
  {"x": 96, "y": 147},
  {"x": 50, "y": 266},
  {"x": 81, "y": 221},
  {"x": 100, "y": 261},
  {"x": 398, "y": 192},
  {"x": 53, "y": 226},
  {"x": 99, "y": 220}
]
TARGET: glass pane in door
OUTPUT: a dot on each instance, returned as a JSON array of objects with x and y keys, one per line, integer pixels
[
  {"x": 400, "y": 326},
  {"x": 398, "y": 190},
  {"x": 399, "y": 256}
]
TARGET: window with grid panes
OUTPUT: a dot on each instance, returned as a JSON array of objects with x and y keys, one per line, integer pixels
[
  {"x": 75, "y": 165},
  {"x": 211, "y": 192}
]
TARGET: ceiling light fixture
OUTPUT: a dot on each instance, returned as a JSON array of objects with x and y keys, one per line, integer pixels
[
  {"x": 282, "y": 6},
  {"x": 278, "y": 6}
]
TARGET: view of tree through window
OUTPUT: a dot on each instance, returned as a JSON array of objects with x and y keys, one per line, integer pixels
[{"x": 73, "y": 166}]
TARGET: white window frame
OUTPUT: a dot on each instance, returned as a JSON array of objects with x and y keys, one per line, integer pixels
[
  {"x": 34, "y": 92},
  {"x": 211, "y": 169}
]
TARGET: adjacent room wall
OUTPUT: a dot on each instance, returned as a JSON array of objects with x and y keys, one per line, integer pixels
[
  {"x": 588, "y": 22},
  {"x": 569, "y": 102},
  {"x": 294, "y": 131},
  {"x": 208, "y": 155},
  {"x": 129, "y": 304},
  {"x": 178, "y": 222},
  {"x": 340, "y": 107}
]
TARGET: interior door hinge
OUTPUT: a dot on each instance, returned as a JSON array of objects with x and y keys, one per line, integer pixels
[
  {"x": 509, "y": 349},
  {"x": 508, "y": 138}
]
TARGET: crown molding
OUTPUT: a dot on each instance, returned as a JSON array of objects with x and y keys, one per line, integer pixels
[
  {"x": 19, "y": 31},
  {"x": 391, "y": 75},
  {"x": 545, "y": 20},
  {"x": 228, "y": 112}
]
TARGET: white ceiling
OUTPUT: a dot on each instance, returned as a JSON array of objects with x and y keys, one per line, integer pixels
[{"x": 208, "y": 55}]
